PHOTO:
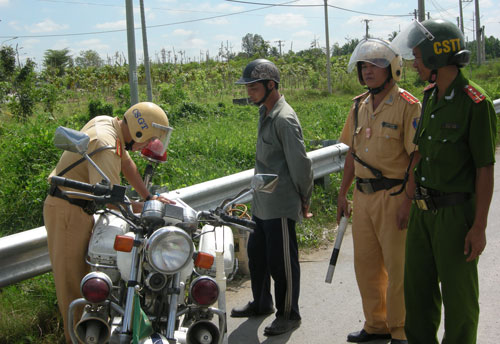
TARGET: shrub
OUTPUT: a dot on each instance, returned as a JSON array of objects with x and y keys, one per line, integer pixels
[{"x": 98, "y": 107}]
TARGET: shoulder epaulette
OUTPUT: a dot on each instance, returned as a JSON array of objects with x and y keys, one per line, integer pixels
[
  {"x": 359, "y": 96},
  {"x": 429, "y": 87},
  {"x": 118, "y": 148},
  {"x": 474, "y": 94},
  {"x": 408, "y": 97}
]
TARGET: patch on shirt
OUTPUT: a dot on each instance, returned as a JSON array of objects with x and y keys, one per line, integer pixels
[
  {"x": 450, "y": 126},
  {"x": 414, "y": 123},
  {"x": 474, "y": 94},
  {"x": 389, "y": 125},
  {"x": 408, "y": 97}
]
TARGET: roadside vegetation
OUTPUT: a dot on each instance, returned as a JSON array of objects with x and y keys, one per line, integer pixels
[{"x": 212, "y": 138}]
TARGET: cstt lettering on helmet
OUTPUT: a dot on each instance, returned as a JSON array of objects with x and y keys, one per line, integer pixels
[
  {"x": 446, "y": 46},
  {"x": 140, "y": 120}
]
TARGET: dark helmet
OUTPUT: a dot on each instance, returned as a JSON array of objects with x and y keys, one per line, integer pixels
[
  {"x": 441, "y": 43},
  {"x": 259, "y": 70}
]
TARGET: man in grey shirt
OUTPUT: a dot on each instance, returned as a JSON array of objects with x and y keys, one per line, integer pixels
[{"x": 272, "y": 248}]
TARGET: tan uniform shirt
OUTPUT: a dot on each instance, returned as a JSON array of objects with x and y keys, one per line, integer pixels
[
  {"x": 103, "y": 131},
  {"x": 384, "y": 137}
]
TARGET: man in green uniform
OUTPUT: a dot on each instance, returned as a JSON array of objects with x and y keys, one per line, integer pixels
[{"x": 446, "y": 232}]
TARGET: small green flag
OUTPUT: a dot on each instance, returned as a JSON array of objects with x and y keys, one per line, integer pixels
[{"x": 141, "y": 325}]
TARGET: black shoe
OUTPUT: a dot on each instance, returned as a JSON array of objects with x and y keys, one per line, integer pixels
[
  {"x": 281, "y": 325},
  {"x": 249, "y": 310},
  {"x": 399, "y": 341},
  {"x": 363, "y": 336}
]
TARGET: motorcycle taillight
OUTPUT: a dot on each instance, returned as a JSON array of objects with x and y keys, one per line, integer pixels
[
  {"x": 204, "y": 291},
  {"x": 96, "y": 287}
]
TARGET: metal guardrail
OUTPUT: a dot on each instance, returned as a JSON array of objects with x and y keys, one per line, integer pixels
[{"x": 25, "y": 255}]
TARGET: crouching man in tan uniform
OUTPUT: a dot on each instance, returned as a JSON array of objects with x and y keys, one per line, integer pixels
[{"x": 69, "y": 221}]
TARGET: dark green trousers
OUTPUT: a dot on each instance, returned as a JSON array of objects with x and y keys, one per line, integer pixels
[{"x": 436, "y": 273}]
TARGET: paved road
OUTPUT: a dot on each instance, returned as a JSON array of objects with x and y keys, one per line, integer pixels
[{"x": 330, "y": 311}]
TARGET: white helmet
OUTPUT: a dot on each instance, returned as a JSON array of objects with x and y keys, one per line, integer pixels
[{"x": 379, "y": 53}]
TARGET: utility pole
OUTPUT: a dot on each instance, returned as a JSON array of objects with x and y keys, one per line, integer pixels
[
  {"x": 279, "y": 44},
  {"x": 327, "y": 49},
  {"x": 147, "y": 71},
  {"x": 478, "y": 35},
  {"x": 461, "y": 18},
  {"x": 366, "y": 27},
  {"x": 421, "y": 10},
  {"x": 461, "y": 25},
  {"x": 132, "y": 66},
  {"x": 483, "y": 43}
]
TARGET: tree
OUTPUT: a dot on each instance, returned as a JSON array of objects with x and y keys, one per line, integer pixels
[
  {"x": 7, "y": 62},
  {"x": 89, "y": 58},
  {"x": 347, "y": 48},
  {"x": 254, "y": 44},
  {"x": 392, "y": 35},
  {"x": 58, "y": 60},
  {"x": 492, "y": 47}
]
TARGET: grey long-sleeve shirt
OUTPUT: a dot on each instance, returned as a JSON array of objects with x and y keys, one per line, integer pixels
[{"x": 281, "y": 151}]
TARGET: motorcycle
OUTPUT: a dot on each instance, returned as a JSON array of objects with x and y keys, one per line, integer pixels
[{"x": 148, "y": 281}]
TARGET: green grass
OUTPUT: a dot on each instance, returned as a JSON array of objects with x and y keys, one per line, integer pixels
[
  {"x": 210, "y": 140},
  {"x": 29, "y": 312}
]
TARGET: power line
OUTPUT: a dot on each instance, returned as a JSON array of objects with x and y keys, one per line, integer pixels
[
  {"x": 122, "y": 6},
  {"x": 149, "y": 27},
  {"x": 332, "y": 6}
]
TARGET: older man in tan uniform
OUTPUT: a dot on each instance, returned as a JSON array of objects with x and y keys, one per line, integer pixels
[
  {"x": 69, "y": 222},
  {"x": 379, "y": 131}
]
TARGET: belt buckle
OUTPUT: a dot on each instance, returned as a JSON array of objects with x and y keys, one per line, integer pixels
[
  {"x": 366, "y": 187},
  {"x": 422, "y": 204}
]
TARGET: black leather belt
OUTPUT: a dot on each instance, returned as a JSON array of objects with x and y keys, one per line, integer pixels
[
  {"x": 369, "y": 186},
  {"x": 88, "y": 206},
  {"x": 430, "y": 199}
]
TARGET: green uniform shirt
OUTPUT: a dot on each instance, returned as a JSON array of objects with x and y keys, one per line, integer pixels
[{"x": 456, "y": 136}]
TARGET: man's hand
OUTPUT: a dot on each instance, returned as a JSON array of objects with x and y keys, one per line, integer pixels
[
  {"x": 305, "y": 211},
  {"x": 162, "y": 199},
  {"x": 475, "y": 242},
  {"x": 403, "y": 214},
  {"x": 343, "y": 208}
]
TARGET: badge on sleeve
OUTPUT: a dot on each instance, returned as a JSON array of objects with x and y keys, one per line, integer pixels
[{"x": 414, "y": 123}]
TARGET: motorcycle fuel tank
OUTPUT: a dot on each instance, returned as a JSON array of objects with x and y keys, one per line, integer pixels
[{"x": 217, "y": 239}]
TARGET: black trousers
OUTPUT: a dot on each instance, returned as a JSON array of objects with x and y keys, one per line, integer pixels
[{"x": 273, "y": 252}]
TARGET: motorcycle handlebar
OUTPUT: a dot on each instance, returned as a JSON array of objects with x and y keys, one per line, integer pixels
[
  {"x": 236, "y": 220},
  {"x": 97, "y": 189}
]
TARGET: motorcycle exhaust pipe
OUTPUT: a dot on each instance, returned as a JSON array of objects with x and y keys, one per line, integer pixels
[
  {"x": 203, "y": 332},
  {"x": 93, "y": 327}
]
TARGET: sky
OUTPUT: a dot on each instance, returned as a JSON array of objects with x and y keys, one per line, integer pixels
[{"x": 193, "y": 29}]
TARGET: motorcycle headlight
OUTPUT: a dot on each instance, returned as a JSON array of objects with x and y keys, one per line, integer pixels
[{"x": 169, "y": 249}]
